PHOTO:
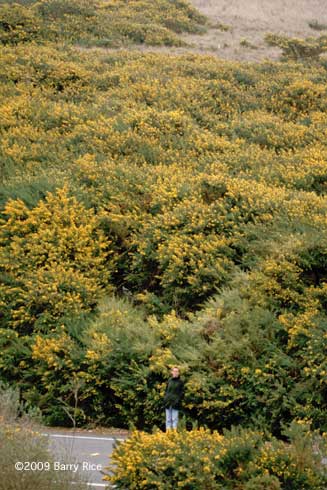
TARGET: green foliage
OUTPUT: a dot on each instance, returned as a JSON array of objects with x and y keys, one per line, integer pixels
[
  {"x": 49, "y": 256},
  {"x": 18, "y": 24},
  {"x": 194, "y": 188},
  {"x": 239, "y": 362},
  {"x": 308, "y": 49},
  {"x": 106, "y": 23},
  {"x": 59, "y": 9},
  {"x": 10, "y": 406},
  {"x": 317, "y": 26},
  {"x": 200, "y": 459}
]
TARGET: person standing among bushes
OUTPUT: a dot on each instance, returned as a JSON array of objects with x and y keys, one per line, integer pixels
[{"x": 173, "y": 397}]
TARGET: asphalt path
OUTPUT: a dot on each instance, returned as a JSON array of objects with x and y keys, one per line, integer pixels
[{"x": 78, "y": 452}]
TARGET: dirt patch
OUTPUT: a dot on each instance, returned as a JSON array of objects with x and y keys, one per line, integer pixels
[{"x": 238, "y": 27}]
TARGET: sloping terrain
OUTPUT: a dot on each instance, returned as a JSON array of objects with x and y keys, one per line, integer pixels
[
  {"x": 159, "y": 210},
  {"x": 250, "y": 20},
  {"x": 238, "y": 27}
]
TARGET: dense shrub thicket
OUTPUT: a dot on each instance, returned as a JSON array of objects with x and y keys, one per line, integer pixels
[
  {"x": 110, "y": 23},
  {"x": 194, "y": 188},
  {"x": 200, "y": 459}
]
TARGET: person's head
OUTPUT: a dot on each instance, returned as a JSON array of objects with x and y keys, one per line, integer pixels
[{"x": 175, "y": 372}]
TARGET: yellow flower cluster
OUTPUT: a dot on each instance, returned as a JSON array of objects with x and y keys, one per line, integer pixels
[
  {"x": 207, "y": 460},
  {"x": 172, "y": 180},
  {"x": 107, "y": 22},
  {"x": 56, "y": 257}
]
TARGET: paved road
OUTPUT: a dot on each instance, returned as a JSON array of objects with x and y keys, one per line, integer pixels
[{"x": 80, "y": 452}]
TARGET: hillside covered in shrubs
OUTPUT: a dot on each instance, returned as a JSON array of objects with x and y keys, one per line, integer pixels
[
  {"x": 106, "y": 23},
  {"x": 158, "y": 210}
]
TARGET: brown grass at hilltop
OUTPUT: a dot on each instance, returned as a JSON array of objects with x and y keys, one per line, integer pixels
[{"x": 246, "y": 24}]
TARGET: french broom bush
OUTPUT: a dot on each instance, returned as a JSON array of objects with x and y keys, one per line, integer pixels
[
  {"x": 159, "y": 210},
  {"x": 49, "y": 256},
  {"x": 240, "y": 364},
  {"x": 200, "y": 459},
  {"x": 104, "y": 23},
  {"x": 308, "y": 49}
]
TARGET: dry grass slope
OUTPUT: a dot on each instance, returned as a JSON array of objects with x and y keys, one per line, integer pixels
[{"x": 239, "y": 27}]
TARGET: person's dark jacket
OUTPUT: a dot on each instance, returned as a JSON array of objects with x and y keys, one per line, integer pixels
[{"x": 174, "y": 393}]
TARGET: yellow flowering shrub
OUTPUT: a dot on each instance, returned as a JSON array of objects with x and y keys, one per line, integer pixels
[
  {"x": 53, "y": 260},
  {"x": 300, "y": 49},
  {"x": 106, "y": 23},
  {"x": 300, "y": 98},
  {"x": 194, "y": 187},
  {"x": 18, "y": 24},
  {"x": 201, "y": 459}
]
